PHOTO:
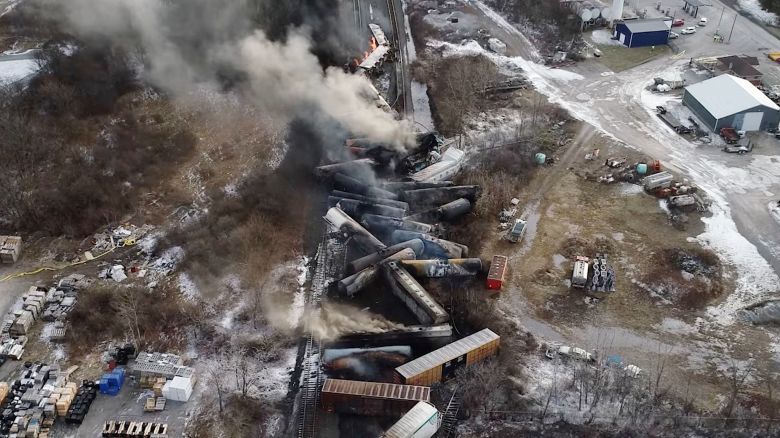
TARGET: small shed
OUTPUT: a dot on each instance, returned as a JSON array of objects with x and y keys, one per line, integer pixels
[
  {"x": 692, "y": 6},
  {"x": 643, "y": 33},
  {"x": 727, "y": 101}
]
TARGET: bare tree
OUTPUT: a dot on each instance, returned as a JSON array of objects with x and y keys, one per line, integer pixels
[
  {"x": 244, "y": 369},
  {"x": 217, "y": 373},
  {"x": 553, "y": 392},
  {"x": 737, "y": 375},
  {"x": 129, "y": 307}
]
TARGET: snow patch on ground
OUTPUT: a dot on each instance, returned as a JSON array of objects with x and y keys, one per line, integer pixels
[
  {"x": 756, "y": 280},
  {"x": 630, "y": 189},
  {"x": 15, "y": 70},
  {"x": 275, "y": 377},
  {"x": 510, "y": 64},
  {"x": 774, "y": 210},
  {"x": 753, "y": 7},
  {"x": 604, "y": 37},
  {"x": 676, "y": 326},
  {"x": 187, "y": 286},
  {"x": 9, "y": 6}
]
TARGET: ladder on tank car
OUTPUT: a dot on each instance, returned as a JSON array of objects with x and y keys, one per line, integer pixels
[{"x": 450, "y": 417}]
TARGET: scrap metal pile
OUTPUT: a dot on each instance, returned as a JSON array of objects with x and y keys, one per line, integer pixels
[{"x": 399, "y": 227}]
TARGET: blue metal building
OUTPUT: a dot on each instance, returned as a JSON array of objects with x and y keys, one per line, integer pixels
[{"x": 643, "y": 33}]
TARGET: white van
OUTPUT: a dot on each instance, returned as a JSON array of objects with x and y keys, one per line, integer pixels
[{"x": 703, "y": 21}]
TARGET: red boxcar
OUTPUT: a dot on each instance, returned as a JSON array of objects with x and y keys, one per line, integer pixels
[{"x": 497, "y": 272}]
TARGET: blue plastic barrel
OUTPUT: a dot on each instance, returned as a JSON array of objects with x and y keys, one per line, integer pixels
[
  {"x": 641, "y": 168},
  {"x": 540, "y": 158}
]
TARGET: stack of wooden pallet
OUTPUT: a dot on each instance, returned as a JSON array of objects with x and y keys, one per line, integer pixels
[
  {"x": 65, "y": 396},
  {"x": 154, "y": 404}
]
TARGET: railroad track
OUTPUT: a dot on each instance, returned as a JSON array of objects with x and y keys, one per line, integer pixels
[
  {"x": 400, "y": 80},
  {"x": 330, "y": 262}
]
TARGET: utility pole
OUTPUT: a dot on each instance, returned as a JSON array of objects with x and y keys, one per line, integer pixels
[
  {"x": 717, "y": 30},
  {"x": 732, "y": 26}
]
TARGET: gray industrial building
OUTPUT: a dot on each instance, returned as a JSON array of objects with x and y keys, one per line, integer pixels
[{"x": 726, "y": 101}]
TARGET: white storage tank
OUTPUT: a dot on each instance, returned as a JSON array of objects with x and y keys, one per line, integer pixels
[{"x": 422, "y": 421}]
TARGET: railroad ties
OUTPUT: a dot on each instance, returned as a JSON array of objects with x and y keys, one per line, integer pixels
[
  {"x": 450, "y": 416},
  {"x": 330, "y": 262}
]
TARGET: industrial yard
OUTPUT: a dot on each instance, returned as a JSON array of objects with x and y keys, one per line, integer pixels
[{"x": 400, "y": 218}]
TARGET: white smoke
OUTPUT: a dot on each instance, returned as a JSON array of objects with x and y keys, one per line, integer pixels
[
  {"x": 336, "y": 320},
  {"x": 184, "y": 43}
]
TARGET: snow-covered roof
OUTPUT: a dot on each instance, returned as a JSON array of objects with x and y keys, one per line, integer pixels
[{"x": 725, "y": 95}]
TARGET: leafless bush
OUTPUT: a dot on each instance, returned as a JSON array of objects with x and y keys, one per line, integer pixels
[
  {"x": 65, "y": 170},
  {"x": 457, "y": 86},
  {"x": 157, "y": 320},
  {"x": 241, "y": 417},
  {"x": 483, "y": 387},
  {"x": 688, "y": 276},
  {"x": 255, "y": 229},
  {"x": 84, "y": 82},
  {"x": 501, "y": 174}
]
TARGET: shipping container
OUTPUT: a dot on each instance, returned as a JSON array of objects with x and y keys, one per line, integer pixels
[
  {"x": 497, "y": 273},
  {"x": 441, "y": 364},
  {"x": 422, "y": 421},
  {"x": 371, "y": 398}
]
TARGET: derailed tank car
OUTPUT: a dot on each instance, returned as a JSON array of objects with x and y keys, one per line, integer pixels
[
  {"x": 441, "y": 364},
  {"x": 371, "y": 398}
]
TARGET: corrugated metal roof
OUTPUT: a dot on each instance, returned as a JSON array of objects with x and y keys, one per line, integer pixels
[
  {"x": 497, "y": 267},
  {"x": 446, "y": 353},
  {"x": 639, "y": 26},
  {"x": 412, "y": 421},
  {"x": 377, "y": 390},
  {"x": 725, "y": 95}
]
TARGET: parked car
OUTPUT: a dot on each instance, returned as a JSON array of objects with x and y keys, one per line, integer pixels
[
  {"x": 517, "y": 231},
  {"x": 730, "y": 135},
  {"x": 673, "y": 35},
  {"x": 688, "y": 30},
  {"x": 738, "y": 149},
  {"x": 678, "y": 22},
  {"x": 703, "y": 21},
  {"x": 774, "y": 56}
]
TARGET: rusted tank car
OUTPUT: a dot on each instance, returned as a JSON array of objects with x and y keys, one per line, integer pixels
[
  {"x": 441, "y": 364},
  {"x": 371, "y": 398}
]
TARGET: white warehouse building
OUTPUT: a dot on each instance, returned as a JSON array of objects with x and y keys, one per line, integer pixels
[{"x": 727, "y": 101}]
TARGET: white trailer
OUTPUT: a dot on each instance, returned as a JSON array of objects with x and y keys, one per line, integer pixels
[{"x": 579, "y": 276}]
